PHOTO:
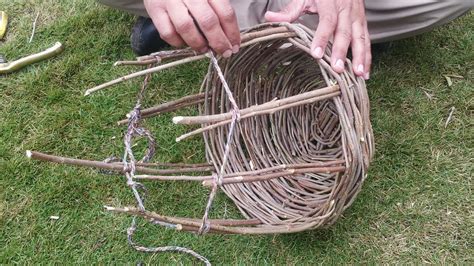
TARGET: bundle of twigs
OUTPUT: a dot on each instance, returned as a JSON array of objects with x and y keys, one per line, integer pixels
[{"x": 286, "y": 138}]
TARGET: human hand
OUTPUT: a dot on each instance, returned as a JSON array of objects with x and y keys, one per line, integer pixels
[
  {"x": 344, "y": 20},
  {"x": 200, "y": 24}
]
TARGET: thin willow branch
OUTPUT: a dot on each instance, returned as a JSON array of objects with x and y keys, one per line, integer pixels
[
  {"x": 220, "y": 228},
  {"x": 173, "y": 177},
  {"x": 136, "y": 63},
  {"x": 169, "y": 106},
  {"x": 144, "y": 72},
  {"x": 175, "y": 170},
  {"x": 269, "y": 38},
  {"x": 245, "y": 37},
  {"x": 168, "y": 54},
  {"x": 102, "y": 165},
  {"x": 267, "y": 111},
  {"x": 176, "y": 165},
  {"x": 289, "y": 172},
  {"x": 190, "y": 120},
  {"x": 163, "y": 107},
  {"x": 158, "y": 57},
  {"x": 255, "y": 175},
  {"x": 285, "y": 167}
]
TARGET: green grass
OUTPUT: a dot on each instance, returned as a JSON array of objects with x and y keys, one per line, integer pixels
[{"x": 415, "y": 207}]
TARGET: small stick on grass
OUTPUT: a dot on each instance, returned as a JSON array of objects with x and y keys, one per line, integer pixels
[
  {"x": 450, "y": 117},
  {"x": 34, "y": 28}
]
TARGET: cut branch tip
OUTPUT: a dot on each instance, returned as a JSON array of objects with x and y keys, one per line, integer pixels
[{"x": 177, "y": 119}]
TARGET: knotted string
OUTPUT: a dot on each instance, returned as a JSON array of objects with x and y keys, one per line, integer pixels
[{"x": 129, "y": 162}]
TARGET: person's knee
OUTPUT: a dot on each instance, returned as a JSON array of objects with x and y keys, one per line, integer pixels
[{"x": 461, "y": 4}]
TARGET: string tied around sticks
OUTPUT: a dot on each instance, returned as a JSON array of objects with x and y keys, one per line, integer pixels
[
  {"x": 129, "y": 163},
  {"x": 205, "y": 226}
]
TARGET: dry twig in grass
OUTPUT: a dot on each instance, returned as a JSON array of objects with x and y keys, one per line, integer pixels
[{"x": 33, "y": 28}]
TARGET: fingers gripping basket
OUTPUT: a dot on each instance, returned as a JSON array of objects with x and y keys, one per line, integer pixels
[{"x": 289, "y": 140}]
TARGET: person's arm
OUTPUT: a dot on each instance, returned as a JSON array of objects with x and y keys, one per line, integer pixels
[
  {"x": 342, "y": 19},
  {"x": 216, "y": 27}
]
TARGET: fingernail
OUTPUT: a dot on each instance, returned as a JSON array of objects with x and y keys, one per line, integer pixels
[
  {"x": 318, "y": 52},
  {"x": 227, "y": 54},
  {"x": 340, "y": 64},
  {"x": 367, "y": 76},
  {"x": 360, "y": 69},
  {"x": 235, "y": 49}
]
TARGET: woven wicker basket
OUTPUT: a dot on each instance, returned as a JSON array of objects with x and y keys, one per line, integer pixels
[
  {"x": 304, "y": 140},
  {"x": 301, "y": 137}
]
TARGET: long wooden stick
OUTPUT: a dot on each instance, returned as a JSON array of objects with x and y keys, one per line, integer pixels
[
  {"x": 136, "y": 63},
  {"x": 158, "y": 57},
  {"x": 157, "y": 174},
  {"x": 175, "y": 165},
  {"x": 145, "y": 72},
  {"x": 169, "y": 106},
  {"x": 252, "y": 35},
  {"x": 173, "y": 177},
  {"x": 257, "y": 175},
  {"x": 257, "y": 178},
  {"x": 168, "y": 54},
  {"x": 102, "y": 165},
  {"x": 170, "y": 109},
  {"x": 285, "y": 167},
  {"x": 195, "y": 224},
  {"x": 191, "y": 120},
  {"x": 176, "y": 170},
  {"x": 192, "y": 222},
  {"x": 267, "y": 111}
]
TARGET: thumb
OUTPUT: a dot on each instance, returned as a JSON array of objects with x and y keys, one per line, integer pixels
[{"x": 289, "y": 13}]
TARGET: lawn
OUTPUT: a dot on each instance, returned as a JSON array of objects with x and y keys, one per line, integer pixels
[{"x": 415, "y": 207}]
